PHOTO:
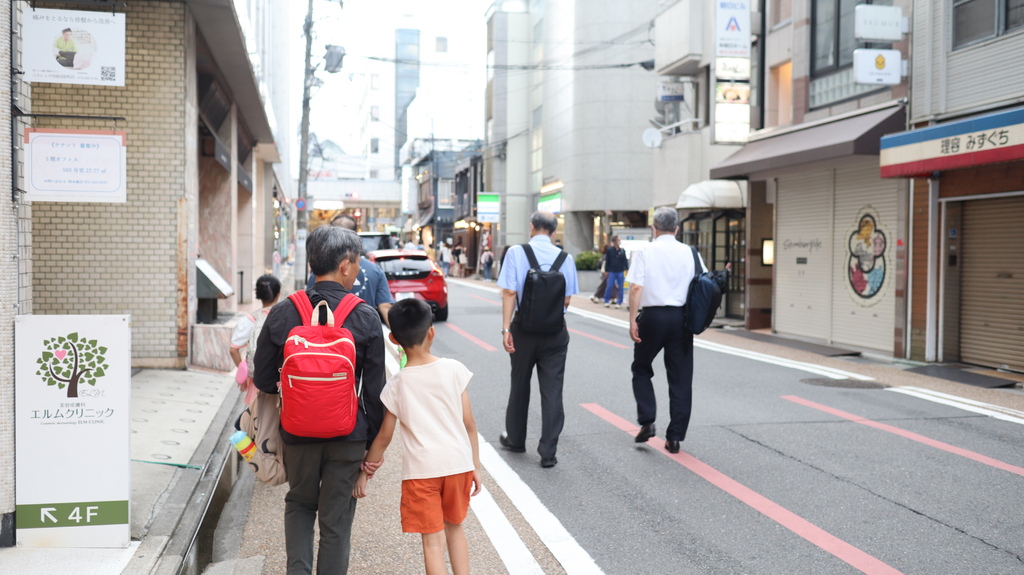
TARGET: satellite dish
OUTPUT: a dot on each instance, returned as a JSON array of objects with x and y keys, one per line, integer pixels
[{"x": 652, "y": 138}]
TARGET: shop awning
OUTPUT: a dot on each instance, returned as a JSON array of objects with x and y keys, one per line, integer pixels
[
  {"x": 852, "y": 136},
  {"x": 426, "y": 219},
  {"x": 713, "y": 194}
]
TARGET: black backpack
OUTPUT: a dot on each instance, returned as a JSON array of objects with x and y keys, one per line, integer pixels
[
  {"x": 704, "y": 297},
  {"x": 542, "y": 308}
]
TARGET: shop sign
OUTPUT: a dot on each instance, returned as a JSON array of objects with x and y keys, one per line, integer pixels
[
  {"x": 873, "y": 23},
  {"x": 732, "y": 30},
  {"x": 73, "y": 47},
  {"x": 488, "y": 208},
  {"x": 975, "y": 142},
  {"x": 732, "y": 68},
  {"x": 877, "y": 67},
  {"x": 550, "y": 203},
  {"x": 75, "y": 166},
  {"x": 72, "y": 414},
  {"x": 671, "y": 91}
]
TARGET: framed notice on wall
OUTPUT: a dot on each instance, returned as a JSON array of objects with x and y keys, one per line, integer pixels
[
  {"x": 73, "y": 47},
  {"x": 75, "y": 166},
  {"x": 72, "y": 424}
]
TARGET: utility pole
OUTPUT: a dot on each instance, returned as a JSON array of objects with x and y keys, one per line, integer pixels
[{"x": 302, "y": 216}]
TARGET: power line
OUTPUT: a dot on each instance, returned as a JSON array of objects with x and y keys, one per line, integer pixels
[{"x": 508, "y": 66}]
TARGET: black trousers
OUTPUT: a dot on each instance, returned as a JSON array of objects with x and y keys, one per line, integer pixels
[
  {"x": 547, "y": 353},
  {"x": 661, "y": 328}
]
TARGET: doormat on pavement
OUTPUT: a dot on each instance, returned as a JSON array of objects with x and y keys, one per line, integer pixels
[
  {"x": 962, "y": 376},
  {"x": 826, "y": 350}
]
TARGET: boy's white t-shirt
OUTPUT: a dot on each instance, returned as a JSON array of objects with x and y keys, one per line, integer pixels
[{"x": 427, "y": 399}]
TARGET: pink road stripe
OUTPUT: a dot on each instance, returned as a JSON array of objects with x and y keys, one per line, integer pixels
[
  {"x": 470, "y": 337},
  {"x": 484, "y": 299},
  {"x": 909, "y": 435},
  {"x": 602, "y": 340},
  {"x": 812, "y": 533}
]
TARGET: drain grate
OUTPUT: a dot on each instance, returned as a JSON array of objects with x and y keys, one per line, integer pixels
[{"x": 847, "y": 383}]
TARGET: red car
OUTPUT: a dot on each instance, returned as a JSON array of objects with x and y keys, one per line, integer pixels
[{"x": 411, "y": 273}]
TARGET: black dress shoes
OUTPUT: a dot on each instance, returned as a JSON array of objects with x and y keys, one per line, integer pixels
[
  {"x": 646, "y": 432},
  {"x": 672, "y": 446},
  {"x": 504, "y": 441},
  {"x": 547, "y": 462}
]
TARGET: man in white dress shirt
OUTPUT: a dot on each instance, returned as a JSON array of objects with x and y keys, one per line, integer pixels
[{"x": 659, "y": 279}]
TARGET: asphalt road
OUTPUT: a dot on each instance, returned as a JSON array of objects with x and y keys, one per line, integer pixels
[{"x": 772, "y": 478}]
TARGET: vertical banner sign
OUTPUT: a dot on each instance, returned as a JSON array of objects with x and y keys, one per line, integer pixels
[
  {"x": 73, "y": 395},
  {"x": 732, "y": 63},
  {"x": 488, "y": 208},
  {"x": 76, "y": 166},
  {"x": 73, "y": 47}
]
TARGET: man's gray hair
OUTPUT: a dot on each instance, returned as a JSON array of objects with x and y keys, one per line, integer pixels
[
  {"x": 665, "y": 219},
  {"x": 545, "y": 221},
  {"x": 328, "y": 246}
]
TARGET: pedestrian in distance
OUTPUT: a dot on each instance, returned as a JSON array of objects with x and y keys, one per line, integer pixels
[
  {"x": 487, "y": 261},
  {"x": 537, "y": 280},
  {"x": 615, "y": 265},
  {"x": 322, "y": 471},
  {"x": 372, "y": 285},
  {"x": 429, "y": 399},
  {"x": 444, "y": 255},
  {"x": 247, "y": 330},
  {"x": 659, "y": 284}
]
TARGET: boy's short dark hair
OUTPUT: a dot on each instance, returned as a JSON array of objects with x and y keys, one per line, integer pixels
[{"x": 410, "y": 319}]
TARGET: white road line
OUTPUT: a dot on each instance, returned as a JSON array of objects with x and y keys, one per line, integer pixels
[
  {"x": 573, "y": 558},
  {"x": 506, "y": 541},
  {"x": 994, "y": 411}
]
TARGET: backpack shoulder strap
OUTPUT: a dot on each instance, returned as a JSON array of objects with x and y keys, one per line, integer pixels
[
  {"x": 345, "y": 307},
  {"x": 557, "y": 266},
  {"x": 698, "y": 268},
  {"x": 531, "y": 257},
  {"x": 303, "y": 306}
]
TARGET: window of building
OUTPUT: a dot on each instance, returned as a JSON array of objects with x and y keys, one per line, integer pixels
[
  {"x": 445, "y": 193},
  {"x": 374, "y": 145},
  {"x": 976, "y": 20},
  {"x": 374, "y": 174},
  {"x": 780, "y": 96},
  {"x": 374, "y": 81},
  {"x": 375, "y": 113},
  {"x": 780, "y": 11},
  {"x": 832, "y": 41},
  {"x": 441, "y": 44}
]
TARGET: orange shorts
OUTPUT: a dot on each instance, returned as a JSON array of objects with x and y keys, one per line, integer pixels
[{"x": 427, "y": 504}]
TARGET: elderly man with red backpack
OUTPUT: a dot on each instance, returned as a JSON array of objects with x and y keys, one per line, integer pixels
[{"x": 323, "y": 350}]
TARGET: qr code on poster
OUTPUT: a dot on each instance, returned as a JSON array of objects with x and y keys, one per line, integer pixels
[{"x": 108, "y": 73}]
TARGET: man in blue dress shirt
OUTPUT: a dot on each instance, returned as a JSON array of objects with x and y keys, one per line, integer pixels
[{"x": 546, "y": 352}]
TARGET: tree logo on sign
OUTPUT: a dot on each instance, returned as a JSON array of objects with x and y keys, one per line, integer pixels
[{"x": 70, "y": 360}]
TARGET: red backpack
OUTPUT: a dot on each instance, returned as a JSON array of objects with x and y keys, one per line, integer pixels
[{"x": 319, "y": 397}]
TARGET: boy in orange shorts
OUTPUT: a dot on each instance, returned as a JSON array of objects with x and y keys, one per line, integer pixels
[{"x": 440, "y": 455}]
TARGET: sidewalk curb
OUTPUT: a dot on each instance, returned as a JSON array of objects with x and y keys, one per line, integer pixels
[{"x": 171, "y": 536}]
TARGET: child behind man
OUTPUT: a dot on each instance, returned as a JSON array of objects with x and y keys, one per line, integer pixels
[{"x": 440, "y": 455}]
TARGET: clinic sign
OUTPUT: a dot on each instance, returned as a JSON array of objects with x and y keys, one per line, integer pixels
[
  {"x": 76, "y": 166},
  {"x": 73, "y": 47},
  {"x": 731, "y": 123},
  {"x": 72, "y": 414}
]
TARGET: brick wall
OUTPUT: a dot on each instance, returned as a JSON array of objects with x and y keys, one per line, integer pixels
[{"x": 92, "y": 258}]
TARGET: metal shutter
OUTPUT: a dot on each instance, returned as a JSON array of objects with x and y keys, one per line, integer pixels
[
  {"x": 803, "y": 254},
  {"x": 866, "y": 322},
  {"x": 992, "y": 299}
]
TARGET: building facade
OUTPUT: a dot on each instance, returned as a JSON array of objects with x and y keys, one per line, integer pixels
[
  {"x": 963, "y": 160},
  {"x": 568, "y": 72},
  {"x": 200, "y": 143},
  {"x": 838, "y": 230}
]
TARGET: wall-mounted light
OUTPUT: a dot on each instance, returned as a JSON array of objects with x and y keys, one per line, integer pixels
[{"x": 767, "y": 252}]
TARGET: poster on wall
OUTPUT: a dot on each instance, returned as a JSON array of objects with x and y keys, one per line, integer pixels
[
  {"x": 75, "y": 166},
  {"x": 72, "y": 425},
  {"x": 73, "y": 47},
  {"x": 868, "y": 249}
]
